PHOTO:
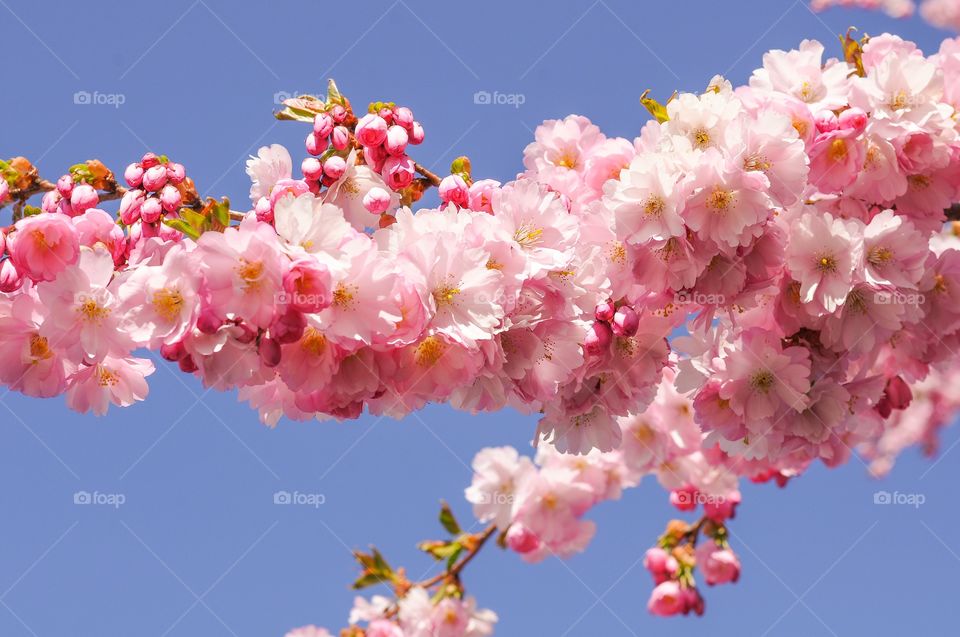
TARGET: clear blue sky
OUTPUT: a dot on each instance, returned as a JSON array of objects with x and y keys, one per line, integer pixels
[{"x": 198, "y": 80}]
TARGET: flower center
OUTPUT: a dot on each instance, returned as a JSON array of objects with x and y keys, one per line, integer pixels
[
  {"x": 701, "y": 138},
  {"x": 654, "y": 206},
  {"x": 429, "y": 351},
  {"x": 167, "y": 303},
  {"x": 719, "y": 200},
  {"x": 106, "y": 377},
  {"x": 918, "y": 182},
  {"x": 343, "y": 296},
  {"x": 528, "y": 235},
  {"x": 313, "y": 341},
  {"x": 761, "y": 381},
  {"x": 827, "y": 264},
  {"x": 92, "y": 312},
  {"x": 39, "y": 347},
  {"x": 879, "y": 255},
  {"x": 445, "y": 295},
  {"x": 250, "y": 272},
  {"x": 838, "y": 150}
]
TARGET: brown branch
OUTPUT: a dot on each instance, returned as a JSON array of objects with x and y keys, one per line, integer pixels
[
  {"x": 430, "y": 175},
  {"x": 454, "y": 571}
]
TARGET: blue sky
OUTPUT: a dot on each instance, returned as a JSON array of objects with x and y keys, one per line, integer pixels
[{"x": 198, "y": 546}]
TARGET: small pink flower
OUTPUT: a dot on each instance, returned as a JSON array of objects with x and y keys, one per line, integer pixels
[
  {"x": 667, "y": 599},
  {"x": 371, "y": 130},
  {"x": 44, "y": 245},
  {"x": 718, "y": 565}
]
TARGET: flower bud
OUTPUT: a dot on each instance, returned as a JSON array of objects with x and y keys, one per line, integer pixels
[
  {"x": 65, "y": 185},
  {"x": 130, "y": 206},
  {"x": 283, "y": 187},
  {"x": 10, "y": 278},
  {"x": 338, "y": 113},
  {"x": 322, "y": 125},
  {"x": 187, "y": 365},
  {"x": 521, "y": 539},
  {"x": 264, "y": 210},
  {"x": 377, "y": 200},
  {"x": 854, "y": 119},
  {"x": 151, "y": 210},
  {"x": 416, "y": 133},
  {"x": 661, "y": 564},
  {"x": 311, "y": 168},
  {"x": 604, "y": 311},
  {"x": 403, "y": 116},
  {"x": 598, "y": 339},
  {"x": 51, "y": 201},
  {"x": 155, "y": 178},
  {"x": 83, "y": 197},
  {"x": 269, "y": 351},
  {"x": 245, "y": 334},
  {"x": 826, "y": 121},
  {"x": 170, "y": 198},
  {"x": 149, "y": 160},
  {"x": 176, "y": 173},
  {"x": 133, "y": 175},
  {"x": 667, "y": 599},
  {"x": 453, "y": 189},
  {"x": 375, "y": 156},
  {"x": 387, "y": 115},
  {"x": 371, "y": 130},
  {"x": 316, "y": 145},
  {"x": 625, "y": 321},
  {"x": 718, "y": 565},
  {"x": 898, "y": 393},
  {"x": 288, "y": 327},
  {"x": 334, "y": 167},
  {"x": 398, "y": 172},
  {"x": 481, "y": 194},
  {"x": 396, "y": 141},
  {"x": 173, "y": 352},
  {"x": 340, "y": 137},
  {"x": 209, "y": 322}
]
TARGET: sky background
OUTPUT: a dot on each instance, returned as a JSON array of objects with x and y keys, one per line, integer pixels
[{"x": 198, "y": 547}]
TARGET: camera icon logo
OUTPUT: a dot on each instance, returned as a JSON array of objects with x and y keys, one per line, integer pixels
[
  {"x": 282, "y": 497},
  {"x": 281, "y": 96},
  {"x": 82, "y": 497},
  {"x": 82, "y": 97},
  {"x": 882, "y": 497},
  {"x": 482, "y": 97}
]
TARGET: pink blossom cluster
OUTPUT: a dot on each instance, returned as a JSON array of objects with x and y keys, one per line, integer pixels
[
  {"x": 155, "y": 193},
  {"x": 940, "y": 13}
]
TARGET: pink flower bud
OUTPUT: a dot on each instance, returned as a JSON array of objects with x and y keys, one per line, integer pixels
[
  {"x": 311, "y": 168},
  {"x": 130, "y": 206},
  {"x": 10, "y": 278},
  {"x": 338, "y": 113},
  {"x": 667, "y": 599},
  {"x": 245, "y": 334},
  {"x": 396, "y": 141},
  {"x": 625, "y": 321},
  {"x": 155, "y": 178},
  {"x": 604, "y": 311},
  {"x": 718, "y": 565},
  {"x": 416, "y": 133},
  {"x": 264, "y": 210},
  {"x": 826, "y": 121},
  {"x": 288, "y": 327},
  {"x": 149, "y": 160},
  {"x": 4, "y": 190},
  {"x": 403, "y": 116},
  {"x": 597, "y": 339},
  {"x": 64, "y": 208},
  {"x": 316, "y": 145},
  {"x": 209, "y": 322},
  {"x": 307, "y": 286},
  {"x": 398, "y": 172},
  {"x": 133, "y": 175},
  {"x": 521, "y": 539},
  {"x": 83, "y": 197},
  {"x": 854, "y": 119},
  {"x": 386, "y": 114},
  {"x": 187, "y": 365},
  {"x": 65, "y": 185},
  {"x": 371, "y": 130},
  {"x": 173, "y": 352},
  {"x": 322, "y": 125},
  {"x": 898, "y": 393},
  {"x": 340, "y": 137},
  {"x": 170, "y": 198},
  {"x": 375, "y": 156},
  {"x": 661, "y": 564},
  {"x": 334, "y": 167},
  {"x": 176, "y": 173},
  {"x": 377, "y": 200},
  {"x": 151, "y": 210},
  {"x": 51, "y": 201},
  {"x": 269, "y": 350},
  {"x": 453, "y": 189},
  {"x": 283, "y": 187}
]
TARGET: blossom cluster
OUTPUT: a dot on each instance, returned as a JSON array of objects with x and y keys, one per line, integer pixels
[{"x": 940, "y": 13}]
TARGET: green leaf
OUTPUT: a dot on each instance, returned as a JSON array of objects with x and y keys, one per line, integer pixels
[
  {"x": 448, "y": 521},
  {"x": 658, "y": 110},
  {"x": 184, "y": 227},
  {"x": 453, "y": 557},
  {"x": 221, "y": 212},
  {"x": 333, "y": 93},
  {"x": 369, "y": 579},
  {"x": 440, "y": 550},
  {"x": 29, "y": 211},
  {"x": 853, "y": 51}
]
